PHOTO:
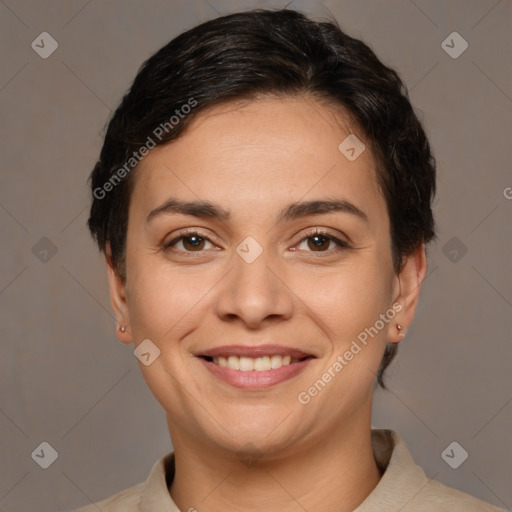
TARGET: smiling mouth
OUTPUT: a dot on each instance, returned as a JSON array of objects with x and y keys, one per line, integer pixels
[
  {"x": 258, "y": 364},
  {"x": 255, "y": 367}
]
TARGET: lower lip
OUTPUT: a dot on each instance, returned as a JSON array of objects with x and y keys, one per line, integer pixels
[{"x": 253, "y": 379}]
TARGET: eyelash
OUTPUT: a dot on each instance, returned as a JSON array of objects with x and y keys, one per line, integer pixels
[{"x": 340, "y": 244}]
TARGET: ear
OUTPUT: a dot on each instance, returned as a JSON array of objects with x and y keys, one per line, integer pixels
[
  {"x": 117, "y": 289},
  {"x": 407, "y": 292}
]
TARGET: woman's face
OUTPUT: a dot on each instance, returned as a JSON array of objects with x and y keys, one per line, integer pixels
[{"x": 247, "y": 276}]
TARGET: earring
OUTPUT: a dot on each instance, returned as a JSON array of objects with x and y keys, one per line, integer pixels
[
  {"x": 122, "y": 328},
  {"x": 399, "y": 327}
]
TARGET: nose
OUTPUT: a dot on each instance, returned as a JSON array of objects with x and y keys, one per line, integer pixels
[{"x": 254, "y": 294}]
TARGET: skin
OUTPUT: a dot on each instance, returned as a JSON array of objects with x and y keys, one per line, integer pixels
[{"x": 253, "y": 159}]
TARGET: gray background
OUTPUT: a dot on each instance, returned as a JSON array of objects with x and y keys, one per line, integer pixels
[{"x": 66, "y": 380}]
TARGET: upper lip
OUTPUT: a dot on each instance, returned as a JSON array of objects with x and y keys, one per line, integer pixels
[{"x": 254, "y": 351}]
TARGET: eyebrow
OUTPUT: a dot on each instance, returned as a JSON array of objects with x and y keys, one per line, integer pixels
[{"x": 206, "y": 209}]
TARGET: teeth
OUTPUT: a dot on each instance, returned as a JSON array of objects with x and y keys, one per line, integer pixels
[
  {"x": 259, "y": 364},
  {"x": 233, "y": 362},
  {"x": 276, "y": 362},
  {"x": 246, "y": 364},
  {"x": 262, "y": 364}
]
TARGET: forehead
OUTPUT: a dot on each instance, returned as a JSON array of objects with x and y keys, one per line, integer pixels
[{"x": 270, "y": 150}]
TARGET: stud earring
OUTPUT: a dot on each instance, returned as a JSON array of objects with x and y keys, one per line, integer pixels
[
  {"x": 122, "y": 328},
  {"x": 399, "y": 327}
]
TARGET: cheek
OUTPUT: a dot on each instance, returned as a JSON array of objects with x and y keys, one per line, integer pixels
[
  {"x": 163, "y": 303},
  {"x": 348, "y": 300},
  {"x": 165, "y": 306}
]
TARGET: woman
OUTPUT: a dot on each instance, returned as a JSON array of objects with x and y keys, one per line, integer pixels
[{"x": 263, "y": 200}]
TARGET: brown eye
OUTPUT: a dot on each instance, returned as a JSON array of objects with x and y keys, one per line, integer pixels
[
  {"x": 191, "y": 242},
  {"x": 318, "y": 242}
]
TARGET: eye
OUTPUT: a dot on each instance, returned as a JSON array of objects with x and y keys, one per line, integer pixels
[
  {"x": 321, "y": 241},
  {"x": 316, "y": 241},
  {"x": 191, "y": 241}
]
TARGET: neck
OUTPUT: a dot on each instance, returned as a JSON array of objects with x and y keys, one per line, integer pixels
[{"x": 336, "y": 473}]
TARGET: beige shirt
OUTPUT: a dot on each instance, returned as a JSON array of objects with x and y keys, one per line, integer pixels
[{"x": 403, "y": 487}]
